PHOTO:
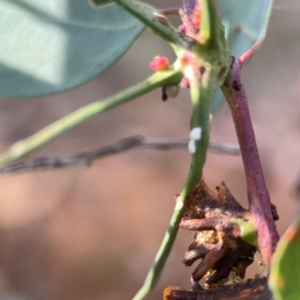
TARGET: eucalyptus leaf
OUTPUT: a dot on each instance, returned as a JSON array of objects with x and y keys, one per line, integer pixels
[
  {"x": 52, "y": 46},
  {"x": 285, "y": 269},
  {"x": 245, "y": 22}
]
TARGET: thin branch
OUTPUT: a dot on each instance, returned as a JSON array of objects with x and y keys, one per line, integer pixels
[
  {"x": 157, "y": 25},
  {"x": 258, "y": 195},
  {"x": 249, "y": 53},
  {"x": 169, "y": 11},
  {"x": 88, "y": 157}
]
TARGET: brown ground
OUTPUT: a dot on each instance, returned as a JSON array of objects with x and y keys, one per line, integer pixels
[{"x": 92, "y": 233}]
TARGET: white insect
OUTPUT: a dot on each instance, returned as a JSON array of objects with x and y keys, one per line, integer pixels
[
  {"x": 195, "y": 135},
  {"x": 192, "y": 146},
  {"x": 178, "y": 205}
]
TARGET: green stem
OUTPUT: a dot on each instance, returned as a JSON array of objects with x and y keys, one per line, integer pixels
[
  {"x": 49, "y": 133},
  {"x": 200, "y": 119},
  {"x": 210, "y": 28},
  {"x": 160, "y": 27}
]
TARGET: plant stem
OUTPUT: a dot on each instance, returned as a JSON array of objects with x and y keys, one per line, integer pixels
[
  {"x": 209, "y": 33},
  {"x": 200, "y": 118},
  {"x": 49, "y": 133},
  {"x": 170, "y": 11},
  {"x": 162, "y": 28},
  {"x": 258, "y": 196},
  {"x": 87, "y": 158}
]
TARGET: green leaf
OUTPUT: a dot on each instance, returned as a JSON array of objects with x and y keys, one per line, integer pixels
[
  {"x": 245, "y": 22},
  {"x": 52, "y": 46},
  {"x": 285, "y": 267}
]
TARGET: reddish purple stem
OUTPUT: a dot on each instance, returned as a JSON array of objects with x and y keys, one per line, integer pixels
[
  {"x": 170, "y": 11},
  {"x": 258, "y": 196}
]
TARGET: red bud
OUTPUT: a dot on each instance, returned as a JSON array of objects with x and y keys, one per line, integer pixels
[{"x": 159, "y": 63}]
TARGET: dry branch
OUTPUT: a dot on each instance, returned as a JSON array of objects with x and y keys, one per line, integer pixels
[{"x": 88, "y": 157}]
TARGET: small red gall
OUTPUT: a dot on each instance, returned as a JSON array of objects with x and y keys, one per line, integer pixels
[
  {"x": 196, "y": 19},
  {"x": 185, "y": 83},
  {"x": 185, "y": 60},
  {"x": 196, "y": 16},
  {"x": 182, "y": 28},
  {"x": 159, "y": 63}
]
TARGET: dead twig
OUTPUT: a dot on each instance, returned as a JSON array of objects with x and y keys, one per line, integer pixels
[{"x": 88, "y": 157}]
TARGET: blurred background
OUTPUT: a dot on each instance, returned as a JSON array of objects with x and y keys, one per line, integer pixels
[{"x": 92, "y": 233}]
